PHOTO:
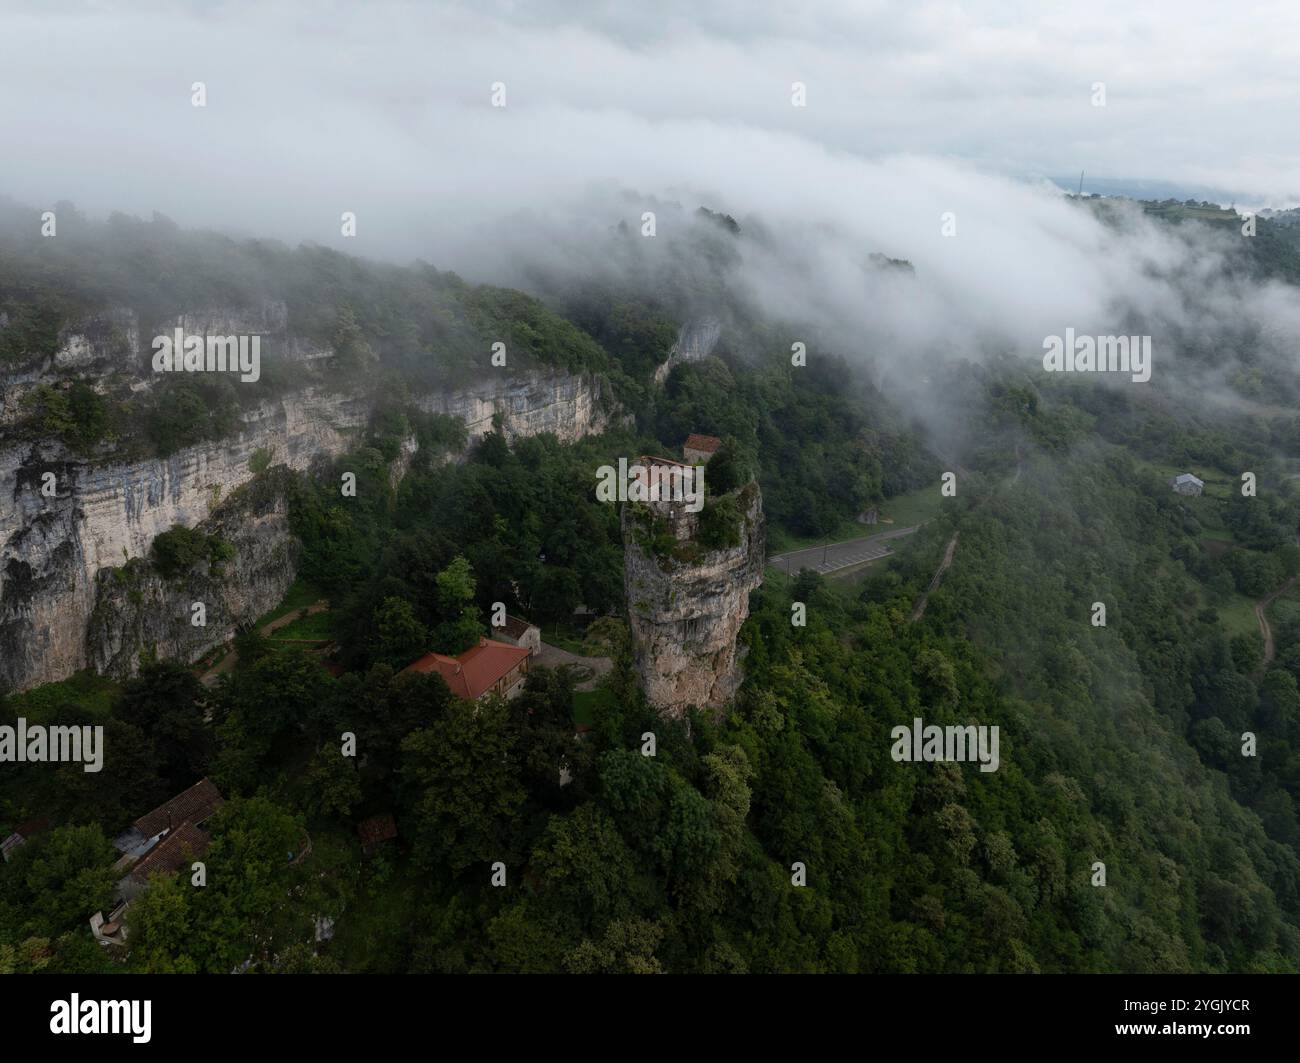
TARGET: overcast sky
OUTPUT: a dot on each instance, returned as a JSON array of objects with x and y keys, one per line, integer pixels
[
  {"x": 385, "y": 109},
  {"x": 915, "y": 113}
]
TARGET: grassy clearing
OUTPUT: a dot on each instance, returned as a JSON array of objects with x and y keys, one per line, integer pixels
[
  {"x": 901, "y": 511},
  {"x": 1181, "y": 211},
  {"x": 1218, "y": 483},
  {"x": 568, "y": 636},
  {"x": 300, "y": 595},
  {"x": 1237, "y": 614},
  {"x": 925, "y": 503},
  {"x": 586, "y": 702},
  {"x": 93, "y": 693},
  {"x": 316, "y": 626}
]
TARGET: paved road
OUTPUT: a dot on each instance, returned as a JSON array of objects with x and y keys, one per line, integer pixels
[{"x": 832, "y": 558}]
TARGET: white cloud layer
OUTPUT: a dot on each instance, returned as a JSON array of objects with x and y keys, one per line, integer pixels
[
  {"x": 384, "y": 108},
  {"x": 914, "y": 109}
]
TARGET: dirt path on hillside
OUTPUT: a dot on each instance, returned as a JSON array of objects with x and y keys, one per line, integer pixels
[
  {"x": 228, "y": 662},
  {"x": 316, "y": 607},
  {"x": 1270, "y": 649},
  {"x": 918, "y": 610},
  {"x": 1261, "y": 607}
]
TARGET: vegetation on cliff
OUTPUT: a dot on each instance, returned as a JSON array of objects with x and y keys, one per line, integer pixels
[{"x": 1121, "y": 744}]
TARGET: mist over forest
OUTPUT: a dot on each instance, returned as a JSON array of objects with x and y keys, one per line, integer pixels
[{"x": 366, "y": 608}]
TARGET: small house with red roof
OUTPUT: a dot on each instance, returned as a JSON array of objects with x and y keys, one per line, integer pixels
[
  {"x": 168, "y": 838},
  {"x": 491, "y": 667},
  {"x": 699, "y": 449}
]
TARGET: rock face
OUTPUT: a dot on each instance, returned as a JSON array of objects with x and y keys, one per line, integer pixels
[
  {"x": 137, "y": 610},
  {"x": 101, "y": 347},
  {"x": 695, "y": 342},
  {"x": 68, "y": 597},
  {"x": 685, "y": 616},
  {"x": 531, "y": 403},
  {"x": 112, "y": 334},
  {"x": 270, "y": 320},
  {"x": 102, "y": 515}
]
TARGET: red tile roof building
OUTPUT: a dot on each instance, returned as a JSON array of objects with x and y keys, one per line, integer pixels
[
  {"x": 185, "y": 843},
  {"x": 168, "y": 838},
  {"x": 491, "y": 667},
  {"x": 698, "y": 448},
  {"x": 376, "y": 830},
  {"x": 195, "y": 804}
]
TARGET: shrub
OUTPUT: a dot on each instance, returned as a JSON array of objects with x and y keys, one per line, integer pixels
[{"x": 177, "y": 551}]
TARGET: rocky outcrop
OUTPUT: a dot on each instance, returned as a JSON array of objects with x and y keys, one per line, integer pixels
[
  {"x": 17, "y": 386},
  {"x": 139, "y": 613},
  {"x": 401, "y": 465},
  {"x": 686, "y": 608},
  {"x": 70, "y": 524},
  {"x": 695, "y": 342},
  {"x": 62, "y": 555},
  {"x": 112, "y": 349},
  {"x": 102, "y": 347},
  {"x": 103, "y": 514},
  {"x": 269, "y": 319},
  {"x": 529, "y": 404},
  {"x": 103, "y": 339}
]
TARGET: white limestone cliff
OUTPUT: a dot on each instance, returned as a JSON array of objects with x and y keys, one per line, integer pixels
[
  {"x": 685, "y": 616},
  {"x": 107, "y": 510}
]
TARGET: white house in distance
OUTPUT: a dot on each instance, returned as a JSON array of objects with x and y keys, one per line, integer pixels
[{"x": 1187, "y": 484}]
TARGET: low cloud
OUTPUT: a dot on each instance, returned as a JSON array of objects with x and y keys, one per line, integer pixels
[{"x": 915, "y": 113}]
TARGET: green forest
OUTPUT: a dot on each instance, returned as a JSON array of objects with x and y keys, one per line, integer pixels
[{"x": 777, "y": 836}]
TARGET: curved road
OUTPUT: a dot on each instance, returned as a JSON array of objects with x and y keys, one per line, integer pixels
[
  {"x": 1270, "y": 647},
  {"x": 834, "y": 556}
]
